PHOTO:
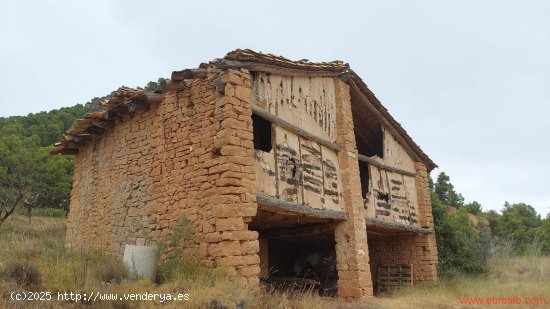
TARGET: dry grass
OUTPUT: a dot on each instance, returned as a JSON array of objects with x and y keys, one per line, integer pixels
[
  {"x": 40, "y": 244},
  {"x": 521, "y": 277}
]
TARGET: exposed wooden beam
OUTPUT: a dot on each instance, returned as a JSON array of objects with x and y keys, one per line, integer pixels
[
  {"x": 292, "y": 128},
  {"x": 268, "y": 68},
  {"x": 188, "y": 74},
  {"x": 394, "y": 227},
  {"x": 83, "y": 137},
  {"x": 385, "y": 167},
  {"x": 104, "y": 124},
  {"x": 308, "y": 230},
  {"x": 271, "y": 204}
]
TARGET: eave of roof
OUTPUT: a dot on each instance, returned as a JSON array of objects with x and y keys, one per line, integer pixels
[{"x": 124, "y": 101}]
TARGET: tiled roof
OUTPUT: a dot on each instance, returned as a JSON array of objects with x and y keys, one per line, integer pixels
[{"x": 248, "y": 55}]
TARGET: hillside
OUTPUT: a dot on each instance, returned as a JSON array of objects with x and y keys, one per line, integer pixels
[{"x": 29, "y": 176}]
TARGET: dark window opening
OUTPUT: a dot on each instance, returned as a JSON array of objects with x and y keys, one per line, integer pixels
[
  {"x": 368, "y": 130},
  {"x": 369, "y": 141},
  {"x": 262, "y": 133},
  {"x": 365, "y": 178}
]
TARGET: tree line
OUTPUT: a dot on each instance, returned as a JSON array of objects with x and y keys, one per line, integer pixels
[
  {"x": 467, "y": 237},
  {"x": 29, "y": 176}
]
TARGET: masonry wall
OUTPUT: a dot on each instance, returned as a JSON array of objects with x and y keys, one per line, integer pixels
[
  {"x": 189, "y": 156},
  {"x": 414, "y": 249},
  {"x": 354, "y": 277}
]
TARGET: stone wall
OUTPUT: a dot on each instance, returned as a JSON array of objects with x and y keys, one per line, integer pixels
[
  {"x": 188, "y": 156},
  {"x": 423, "y": 195},
  {"x": 354, "y": 278},
  {"x": 417, "y": 250}
]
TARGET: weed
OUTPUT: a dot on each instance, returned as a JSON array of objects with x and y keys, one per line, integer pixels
[{"x": 24, "y": 273}]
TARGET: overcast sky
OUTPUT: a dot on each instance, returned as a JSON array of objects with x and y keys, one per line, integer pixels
[{"x": 469, "y": 80}]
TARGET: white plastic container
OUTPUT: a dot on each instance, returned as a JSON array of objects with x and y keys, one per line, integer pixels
[{"x": 141, "y": 261}]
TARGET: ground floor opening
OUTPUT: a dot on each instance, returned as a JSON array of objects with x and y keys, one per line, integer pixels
[{"x": 297, "y": 252}]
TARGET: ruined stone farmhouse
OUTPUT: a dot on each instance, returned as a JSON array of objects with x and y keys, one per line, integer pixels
[{"x": 283, "y": 168}]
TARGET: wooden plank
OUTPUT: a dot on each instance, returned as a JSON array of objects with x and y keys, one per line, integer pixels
[
  {"x": 373, "y": 223},
  {"x": 262, "y": 67},
  {"x": 393, "y": 276},
  {"x": 292, "y": 128},
  {"x": 188, "y": 74},
  {"x": 272, "y": 204},
  {"x": 383, "y": 166},
  {"x": 314, "y": 229}
]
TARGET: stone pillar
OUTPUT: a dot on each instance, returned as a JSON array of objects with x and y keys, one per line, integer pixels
[
  {"x": 425, "y": 217},
  {"x": 229, "y": 244},
  {"x": 354, "y": 277},
  {"x": 425, "y": 246}
]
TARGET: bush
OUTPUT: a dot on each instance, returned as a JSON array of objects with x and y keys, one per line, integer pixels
[
  {"x": 458, "y": 243},
  {"x": 24, "y": 273},
  {"x": 112, "y": 270},
  {"x": 170, "y": 249},
  {"x": 473, "y": 208}
]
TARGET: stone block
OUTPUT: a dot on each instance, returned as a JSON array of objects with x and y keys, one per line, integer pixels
[
  {"x": 224, "y": 248},
  {"x": 230, "y": 224}
]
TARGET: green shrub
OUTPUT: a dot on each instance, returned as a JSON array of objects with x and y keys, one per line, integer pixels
[
  {"x": 458, "y": 243},
  {"x": 170, "y": 249}
]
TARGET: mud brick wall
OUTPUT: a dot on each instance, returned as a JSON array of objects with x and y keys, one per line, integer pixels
[
  {"x": 394, "y": 197},
  {"x": 427, "y": 241},
  {"x": 354, "y": 278},
  {"x": 418, "y": 250},
  {"x": 423, "y": 195},
  {"x": 189, "y": 156},
  {"x": 297, "y": 169}
]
